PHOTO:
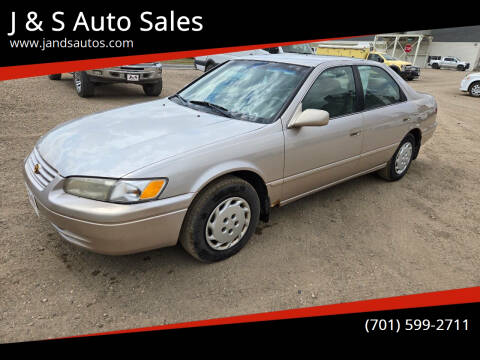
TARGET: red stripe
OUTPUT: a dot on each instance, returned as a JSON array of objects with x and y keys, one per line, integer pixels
[
  {"x": 449, "y": 297},
  {"x": 22, "y": 71}
]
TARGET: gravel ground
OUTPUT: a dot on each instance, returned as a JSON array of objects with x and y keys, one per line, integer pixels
[{"x": 359, "y": 240}]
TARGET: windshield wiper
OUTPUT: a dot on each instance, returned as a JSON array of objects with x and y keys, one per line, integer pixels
[{"x": 217, "y": 108}]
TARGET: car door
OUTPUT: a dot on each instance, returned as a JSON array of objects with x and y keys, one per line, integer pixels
[
  {"x": 316, "y": 156},
  {"x": 386, "y": 115},
  {"x": 450, "y": 62}
]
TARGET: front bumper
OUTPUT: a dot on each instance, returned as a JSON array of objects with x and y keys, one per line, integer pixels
[
  {"x": 411, "y": 72},
  {"x": 119, "y": 74},
  {"x": 101, "y": 227},
  {"x": 464, "y": 85}
]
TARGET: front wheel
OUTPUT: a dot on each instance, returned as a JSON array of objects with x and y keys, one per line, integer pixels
[
  {"x": 400, "y": 162},
  {"x": 461, "y": 68},
  {"x": 435, "y": 66},
  {"x": 153, "y": 89},
  {"x": 221, "y": 219},
  {"x": 474, "y": 89},
  {"x": 83, "y": 85}
]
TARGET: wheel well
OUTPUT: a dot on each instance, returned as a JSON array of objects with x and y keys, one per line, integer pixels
[
  {"x": 473, "y": 83},
  {"x": 418, "y": 140},
  {"x": 259, "y": 185}
]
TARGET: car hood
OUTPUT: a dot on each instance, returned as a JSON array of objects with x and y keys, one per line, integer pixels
[
  {"x": 401, "y": 62},
  {"x": 117, "y": 142}
]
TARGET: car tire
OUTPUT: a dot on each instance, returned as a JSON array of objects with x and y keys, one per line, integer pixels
[
  {"x": 235, "y": 204},
  {"x": 461, "y": 68},
  {"x": 84, "y": 87},
  {"x": 55, "y": 76},
  {"x": 474, "y": 89},
  {"x": 400, "y": 162},
  {"x": 153, "y": 89},
  {"x": 435, "y": 66}
]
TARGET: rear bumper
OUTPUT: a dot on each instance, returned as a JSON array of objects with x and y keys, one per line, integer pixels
[
  {"x": 107, "y": 228},
  {"x": 427, "y": 133}
]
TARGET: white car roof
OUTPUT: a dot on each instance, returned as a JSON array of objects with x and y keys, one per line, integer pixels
[{"x": 310, "y": 60}]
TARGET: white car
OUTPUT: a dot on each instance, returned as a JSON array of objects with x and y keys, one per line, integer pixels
[
  {"x": 207, "y": 63},
  {"x": 471, "y": 84}
]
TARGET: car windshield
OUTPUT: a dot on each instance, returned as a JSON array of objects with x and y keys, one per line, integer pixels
[
  {"x": 298, "y": 49},
  {"x": 388, "y": 57},
  {"x": 244, "y": 89}
]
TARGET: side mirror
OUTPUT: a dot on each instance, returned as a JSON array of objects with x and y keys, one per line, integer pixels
[
  {"x": 380, "y": 59},
  {"x": 309, "y": 117}
]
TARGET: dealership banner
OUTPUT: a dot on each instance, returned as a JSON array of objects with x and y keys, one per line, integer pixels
[
  {"x": 38, "y": 40},
  {"x": 72, "y": 36},
  {"x": 429, "y": 316}
]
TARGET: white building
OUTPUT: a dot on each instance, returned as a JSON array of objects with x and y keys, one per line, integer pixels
[{"x": 460, "y": 42}]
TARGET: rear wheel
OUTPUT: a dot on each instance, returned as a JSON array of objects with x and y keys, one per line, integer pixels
[
  {"x": 153, "y": 89},
  {"x": 400, "y": 162},
  {"x": 461, "y": 68},
  {"x": 474, "y": 89},
  {"x": 435, "y": 66},
  {"x": 83, "y": 85},
  {"x": 55, "y": 76},
  {"x": 221, "y": 219}
]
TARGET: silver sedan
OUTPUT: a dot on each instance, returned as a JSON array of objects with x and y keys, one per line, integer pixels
[{"x": 205, "y": 165}]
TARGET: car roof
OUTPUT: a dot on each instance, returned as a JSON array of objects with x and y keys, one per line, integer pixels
[{"x": 310, "y": 60}]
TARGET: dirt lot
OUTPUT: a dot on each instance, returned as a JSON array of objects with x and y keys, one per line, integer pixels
[{"x": 363, "y": 239}]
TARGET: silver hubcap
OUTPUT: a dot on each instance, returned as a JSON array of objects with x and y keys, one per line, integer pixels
[
  {"x": 78, "y": 82},
  {"x": 476, "y": 90},
  {"x": 228, "y": 223},
  {"x": 403, "y": 157}
]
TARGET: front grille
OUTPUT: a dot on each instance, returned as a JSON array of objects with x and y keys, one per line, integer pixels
[{"x": 44, "y": 174}]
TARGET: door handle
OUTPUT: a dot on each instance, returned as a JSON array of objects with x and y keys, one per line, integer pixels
[
  {"x": 406, "y": 119},
  {"x": 355, "y": 132}
]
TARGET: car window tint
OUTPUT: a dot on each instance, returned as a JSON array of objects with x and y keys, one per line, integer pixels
[
  {"x": 333, "y": 91},
  {"x": 379, "y": 88}
]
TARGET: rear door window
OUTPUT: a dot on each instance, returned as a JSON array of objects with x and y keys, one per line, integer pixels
[{"x": 379, "y": 88}]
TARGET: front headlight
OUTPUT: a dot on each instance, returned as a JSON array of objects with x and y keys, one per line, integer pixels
[{"x": 117, "y": 191}]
